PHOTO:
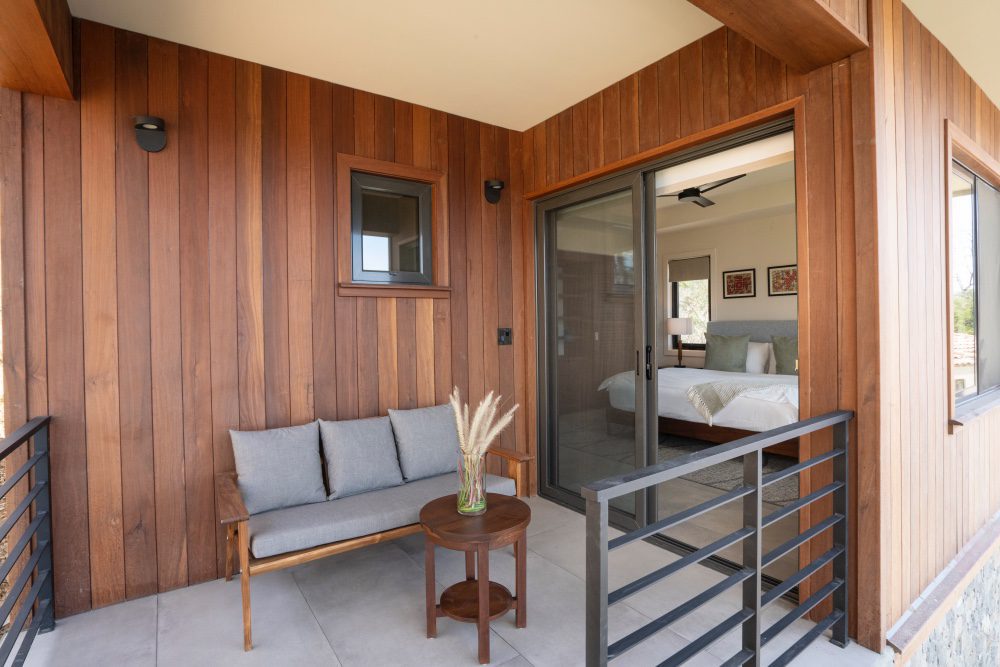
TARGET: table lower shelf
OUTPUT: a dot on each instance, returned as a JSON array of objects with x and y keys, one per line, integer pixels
[{"x": 461, "y": 601}]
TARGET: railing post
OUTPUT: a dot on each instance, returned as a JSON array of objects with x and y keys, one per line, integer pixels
[
  {"x": 841, "y": 442},
  {"x": 43, "y": 503},
  {"x": 752, "y": 475},
  {"x": 597, "y": 583}
]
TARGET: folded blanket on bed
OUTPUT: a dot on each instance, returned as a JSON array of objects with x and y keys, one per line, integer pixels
[{"x": 711, "y": 397}]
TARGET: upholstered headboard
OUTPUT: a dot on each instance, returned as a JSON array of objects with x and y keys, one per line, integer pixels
[{"x": 760, "y": 330}]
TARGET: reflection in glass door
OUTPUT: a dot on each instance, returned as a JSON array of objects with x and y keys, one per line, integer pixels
[{"x": 594, "y": 372}]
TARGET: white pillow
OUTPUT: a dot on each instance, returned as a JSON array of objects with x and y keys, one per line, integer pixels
[{"x": 758, "y": 356}]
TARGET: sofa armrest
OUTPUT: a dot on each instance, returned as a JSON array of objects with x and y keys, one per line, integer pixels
[
  {"x": 228, "y": 499},
  {"x": 517, "y": 467}
]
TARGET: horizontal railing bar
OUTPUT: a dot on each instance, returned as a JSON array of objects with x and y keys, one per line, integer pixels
[
  {"x": 801, "y": 539},
  {"x": 800, "y": 611},
  {"x": 634, "y": 587},
  {"x": 778, "y": 475},
  {"x": 739, "y": 659},
  {"x": 636, "y": 480},
  {"x": 680, "y": 517},
  {"x": 21, "y": 582},
  {"x": 22, "y": 543},
  {"x": 22, "y": 615},
  {"x": 677, "y": 613},
  {"x": 21, "y": 435},
  {"x": 707, "y": 639},
  {"x": 793, "y": 651},
  {"x": 794, "y": 580},
  {"x": 44, "y": 608},
  {"x": 15, "y": 516},
  {"x": 796, "y": 505},
  {"x": 21, "y": 472}
]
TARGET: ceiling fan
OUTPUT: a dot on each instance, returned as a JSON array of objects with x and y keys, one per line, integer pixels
[{"x": 695, "y": 195}]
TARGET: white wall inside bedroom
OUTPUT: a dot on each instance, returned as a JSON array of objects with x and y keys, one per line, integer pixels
[{"x": 751, "y": 226}]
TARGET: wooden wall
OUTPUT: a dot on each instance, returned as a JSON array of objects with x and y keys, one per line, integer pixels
[
  {"x": 154, "y": 301},
  {"x": 937, "y": 489},
  {"x": 713, "y": 82}
]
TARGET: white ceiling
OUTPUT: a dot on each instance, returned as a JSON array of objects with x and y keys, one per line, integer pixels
[
  {"x": 511, "y": 63},
  {"x": 968, "y": 28}
]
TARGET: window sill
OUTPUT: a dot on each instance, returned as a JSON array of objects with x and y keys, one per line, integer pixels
[
  {"x": 389, "y": 290},
  {"x": 969, "y": 411}
]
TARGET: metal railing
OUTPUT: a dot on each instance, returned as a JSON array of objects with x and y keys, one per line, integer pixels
[
  {"x": 750, "y": 449},
  {"x": 34, "y": 541}
]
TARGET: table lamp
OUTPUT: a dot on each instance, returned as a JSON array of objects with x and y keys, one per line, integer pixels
[{"x": 679, "y": 326}]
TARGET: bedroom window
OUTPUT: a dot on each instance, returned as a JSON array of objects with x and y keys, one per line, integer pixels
[
  {"x": 691, "y": 297},
  {"x": 973, "y": 279}
]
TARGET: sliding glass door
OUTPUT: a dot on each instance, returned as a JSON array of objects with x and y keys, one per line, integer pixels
[{"x": 594, "y": 358}]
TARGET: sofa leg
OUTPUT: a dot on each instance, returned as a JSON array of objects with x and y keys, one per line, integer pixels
[
  {"x": 244, "y": 549},
  {"x": 230, "y": 538}
]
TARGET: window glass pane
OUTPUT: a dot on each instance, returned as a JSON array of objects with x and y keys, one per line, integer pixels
[
  {"x": 396, "y": 219},
  {"x": 963, "y": 284},
  {"x": 988, "y": 285},
  {"x": 692, "y": 301}
]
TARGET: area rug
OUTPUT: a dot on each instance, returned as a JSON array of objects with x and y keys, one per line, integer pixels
[{"x": 729, "y": 475}]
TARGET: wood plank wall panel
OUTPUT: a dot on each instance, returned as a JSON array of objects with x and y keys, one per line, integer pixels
[
  {"x": 939, "y": 489},
  {"x": 169, "y": 297},
  {"x": 717, "y": 79}
]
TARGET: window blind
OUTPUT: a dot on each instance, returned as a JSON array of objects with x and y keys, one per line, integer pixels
[{"x": 692, "y": 268}]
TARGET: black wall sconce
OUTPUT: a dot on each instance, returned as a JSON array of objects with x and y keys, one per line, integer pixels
[
  {"x": 150, "y": 133},
  {"x": 492, "y": 189}
]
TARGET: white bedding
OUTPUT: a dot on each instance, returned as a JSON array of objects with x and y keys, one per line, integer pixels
[{"x": 758, "y": 412}]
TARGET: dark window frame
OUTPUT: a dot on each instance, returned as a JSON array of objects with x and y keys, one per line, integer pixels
[
  {"x": 423, "y": 192},
  {"x": 675, "y": 312}
]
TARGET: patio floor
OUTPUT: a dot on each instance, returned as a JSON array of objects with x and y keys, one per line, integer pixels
[{"x": 367, "y": 608}]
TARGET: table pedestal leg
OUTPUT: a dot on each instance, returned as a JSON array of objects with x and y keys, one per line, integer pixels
[
  {"x": 483, "y": 622},
  {"x": 521, "y": 556},
  {"x": 431, "y": 589}
]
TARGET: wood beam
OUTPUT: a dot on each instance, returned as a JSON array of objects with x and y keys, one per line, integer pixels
[
  {"x": 805, "y": 34},
  {"x": 36, "y": 47}
]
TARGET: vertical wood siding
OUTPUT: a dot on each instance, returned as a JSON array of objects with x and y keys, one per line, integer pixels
[
  {"x": 153, "y": 301},
  {"x": 939, "y": 489}
]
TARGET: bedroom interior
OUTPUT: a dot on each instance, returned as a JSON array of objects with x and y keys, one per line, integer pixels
[{"x": 723, "y": 267}]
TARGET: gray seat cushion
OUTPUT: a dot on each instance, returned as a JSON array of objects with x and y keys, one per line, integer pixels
[
  {"x": 279, "y": 467},
  {"x": 360, "y": 456},
  {"x": 306, "y": 526},
  {"x": 427, "y": 441}
]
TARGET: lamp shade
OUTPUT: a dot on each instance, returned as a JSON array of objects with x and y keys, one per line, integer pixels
[{"x": 678, "y": 326}]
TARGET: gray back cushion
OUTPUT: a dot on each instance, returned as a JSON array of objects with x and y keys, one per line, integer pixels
[
  {"x": 278, "y": 467},
  {"x": 726, "y": 353},
  {"x": 427, "y": 441},
  {"x": 360, "y": 456}
]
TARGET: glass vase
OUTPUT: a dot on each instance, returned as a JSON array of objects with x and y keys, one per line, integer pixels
[{"x": 471, "y": 485}]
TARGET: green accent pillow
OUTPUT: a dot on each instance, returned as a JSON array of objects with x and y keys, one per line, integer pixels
[
  {"x": 786, "y": 354},
  {"x": 726, "y": 353}
]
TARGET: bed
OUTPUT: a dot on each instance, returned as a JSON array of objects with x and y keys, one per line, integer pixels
[{"x": 745, "y": 415}]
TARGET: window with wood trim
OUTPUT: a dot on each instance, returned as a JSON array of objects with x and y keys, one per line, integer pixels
[
  {"x": 973, "y": 291},
  {"x": 392, "y": 230}
]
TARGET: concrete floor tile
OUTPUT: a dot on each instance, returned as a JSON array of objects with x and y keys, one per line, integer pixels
[
  {"x": 122, "y": 634},
  {"x": 203, "y": 625}
]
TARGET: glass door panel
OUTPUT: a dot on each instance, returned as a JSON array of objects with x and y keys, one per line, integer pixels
[{"x": 593, "y": 322}]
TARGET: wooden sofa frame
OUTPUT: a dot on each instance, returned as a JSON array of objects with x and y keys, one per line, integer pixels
[{"x": 234, "y": 516}]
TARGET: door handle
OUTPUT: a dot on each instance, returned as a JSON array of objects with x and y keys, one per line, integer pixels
[{"x": 649, "y": 362}]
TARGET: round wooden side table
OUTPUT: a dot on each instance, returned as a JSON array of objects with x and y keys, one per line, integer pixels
[{"x": 477, "y": 599}]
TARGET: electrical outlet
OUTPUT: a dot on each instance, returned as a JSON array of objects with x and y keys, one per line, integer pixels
[{"x": 503, "y": 336}]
